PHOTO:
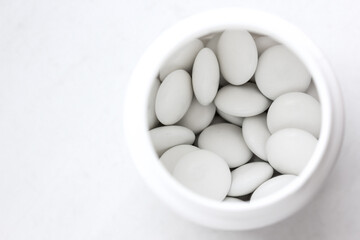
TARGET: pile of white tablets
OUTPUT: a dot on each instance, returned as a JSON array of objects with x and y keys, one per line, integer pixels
[{"x": 234, "y": 116}]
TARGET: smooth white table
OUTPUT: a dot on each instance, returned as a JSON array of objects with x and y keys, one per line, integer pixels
[{"x": 65, "y": 172}]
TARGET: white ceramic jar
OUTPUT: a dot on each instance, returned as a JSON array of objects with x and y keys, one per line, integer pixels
[{"x": 220, "y": 215}]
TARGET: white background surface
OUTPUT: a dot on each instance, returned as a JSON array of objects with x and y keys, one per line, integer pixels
[{"x": 65, "y": 172}]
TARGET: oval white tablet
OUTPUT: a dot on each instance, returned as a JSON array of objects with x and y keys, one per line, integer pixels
[
  {"x": 171, "y": 157},
  {"x": 232, "y": 119},
  {"x": 226, "y": 140},
  {"x": 237, "y": 55},
  {"x": 205, "y": 76},
  {"x": 241, "y": 101},
  {"x": 256, "y": 134},
  {"x": 198, "y": 117},
  {"x": 174, "y": 97},
  {"x": 166, "y": 137},
  {"x": 290, "y": 149},
  {"x": 152, "y": 119},
  {"x": 204, "y": 173},
  {"x": 183, "y": 58},
  {"x": 279, "y": 71},
  {"x": 263, "y": 43},
  {"x": 312, "y": 91},
  {"x": 232, "y": 199},
  {"x": 271, "y": 186},
  {"x": 295, "y": 110},
  {"x": 246, "y": 178}
]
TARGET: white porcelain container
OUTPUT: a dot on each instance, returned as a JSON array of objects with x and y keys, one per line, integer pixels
[{"x": 233, "y": 216}]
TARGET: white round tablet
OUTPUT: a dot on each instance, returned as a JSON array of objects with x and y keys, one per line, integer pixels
[
  {"x": 226, "y": 140},
  {"x": 152, "y": 119},
  {"x": 290, "y": 149},
  {"x": 237, "y": 56},
  {"x": 198, "y": 116},
  {"x": 167, "y": 137},
  {"x": 271, "y": 186},
  {"x": 204, "y": 173},
  {"x": 232, "y": 119},
  {"x": 279, "y": 71},
  {"x": 174, "y": 97},
  {"x": 246, "y": 178},
  {"x": 295, "y": 110},
  {"x": 171, "y": 157},
  {"x": 183, "y": 58},
  {"x": 205, "y": 76},
  {"x": 241, "y": 101},
  {"x": 256, "y": 134}
]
